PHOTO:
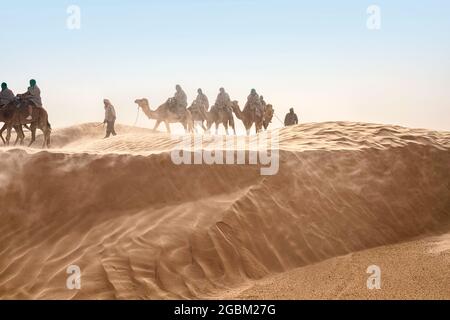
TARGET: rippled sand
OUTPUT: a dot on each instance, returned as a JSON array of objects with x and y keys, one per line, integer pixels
[{"x": 347, "y": 195}]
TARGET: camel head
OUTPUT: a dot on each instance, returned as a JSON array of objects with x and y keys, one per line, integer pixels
[
  {"x": 268, "y": 114},
  {"x": 142, "y": 103},
  {"x": 235, "y": 106}
]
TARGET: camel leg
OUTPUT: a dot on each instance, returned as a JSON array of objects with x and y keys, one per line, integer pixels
[
  {"x": 199, "y": 125},
  {"x": 8, "y": 134},
  {"x": 230, "y": 123},
  {"x": 258, "y": 129},
  {"x": 233, "y": 126},
  {"x": 17, "y": 136},
  {"x": 158, "y": 122},
  {"x": 1, "y": 133},
  {"x": 20, "y": 134},
  {"x": 190, "y": 126},
  {"x": 33, "y": 134},
  {"x": 46, "y": 130},
  {"x": 217, "y": 129},
  {"x": 226, "y": 128},
  {"x": 208, "y": 128},
  {"x": 203, "y": 127},
  {"x": 48, "y": 137},
  {"x": 44, "y": 144},
  {"x": 167, "y": 126}
]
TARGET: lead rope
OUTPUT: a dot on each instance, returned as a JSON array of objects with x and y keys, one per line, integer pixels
[
  {"x": 137, "y": 117},
  {"x": 282, "y": 123}
]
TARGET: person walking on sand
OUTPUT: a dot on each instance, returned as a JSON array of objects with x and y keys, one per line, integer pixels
[
  {"x": 110, "y": 118},
  {"x": 291, "y": 118}
]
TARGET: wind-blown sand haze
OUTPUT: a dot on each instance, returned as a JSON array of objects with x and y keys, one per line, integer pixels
[{"x": 347, "y": 196}]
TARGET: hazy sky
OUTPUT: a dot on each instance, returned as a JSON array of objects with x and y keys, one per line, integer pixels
[{"x": 317, "y": 56}]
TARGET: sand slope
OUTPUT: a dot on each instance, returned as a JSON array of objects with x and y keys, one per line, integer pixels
[
  {"x": 417, "y": 269},
  {"x": 141, "y": 227}
]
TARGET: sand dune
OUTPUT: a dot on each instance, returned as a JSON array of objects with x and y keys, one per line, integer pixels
[
  {"x": 417, "y": 269},
  {"x": 141, "y": 227}
]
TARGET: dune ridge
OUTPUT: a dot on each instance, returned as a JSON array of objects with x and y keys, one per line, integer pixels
[{"x": 141, "y": 227}]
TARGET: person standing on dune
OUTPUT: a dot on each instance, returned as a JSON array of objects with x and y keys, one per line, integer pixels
[
  {"x": 110, "y": 118},
  {"x": 291, "y": 118},
  {"x": 6, "y": 95}
]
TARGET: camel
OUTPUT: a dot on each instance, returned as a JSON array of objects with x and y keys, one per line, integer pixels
[
  {"x": 163, "y": 114},
  {"x": 248, "y": 118},
  {"x": 15, "y": 117},
  {"x": 214, "y": 116},
  {"x": 197, "y": 117},
  {"x": 20, "y": 135},
  {"x": 220, "y": 116},
  {"x": 268, "y": 116}
]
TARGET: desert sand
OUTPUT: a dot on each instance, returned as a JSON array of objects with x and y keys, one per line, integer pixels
[{"x": 347, "y": 196}]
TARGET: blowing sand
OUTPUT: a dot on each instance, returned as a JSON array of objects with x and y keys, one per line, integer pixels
[{"x": 347, "y": 195}]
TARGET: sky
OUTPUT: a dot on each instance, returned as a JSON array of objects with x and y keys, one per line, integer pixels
[{"x": 318, "y": 57}]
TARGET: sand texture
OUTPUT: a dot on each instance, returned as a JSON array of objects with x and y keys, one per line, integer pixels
[{"x": 347, "y": 195}]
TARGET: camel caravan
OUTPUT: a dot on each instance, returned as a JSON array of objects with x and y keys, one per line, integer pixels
[
  {"x": 174, "y": 110},
  {"x": 23, "y": 111}
]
